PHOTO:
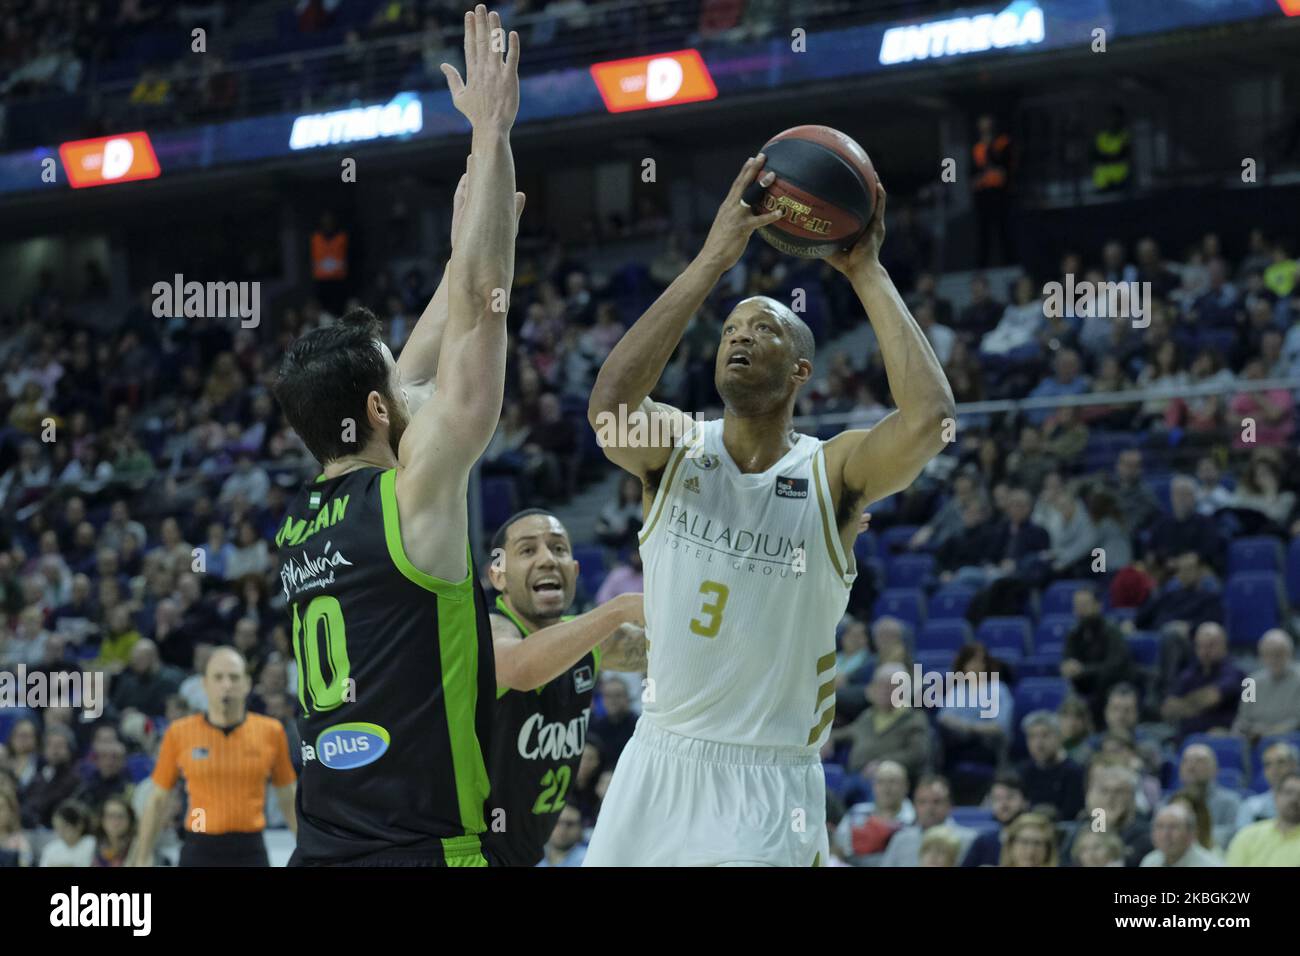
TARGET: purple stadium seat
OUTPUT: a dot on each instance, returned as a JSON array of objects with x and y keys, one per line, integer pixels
[
  {"x": 1251, "y": 602},
  {"x": 1230, "y": 751},
  {"x": 1259, "y": 553},
  {"x": 951, "y": 600},
  {"x": 943, "y": 635},
  {"x": 1059, "y": 596},
  {"x": 906, "y": 604},
  {"x": 1052, "y": 629},
  {"x": 894, "y": 540},
  {"x": 1004, "y": 631},
  {"x": 1040, "y": 693},
  {"x": 909, "y": 570},
  {"x": 1145, "y": 647}
]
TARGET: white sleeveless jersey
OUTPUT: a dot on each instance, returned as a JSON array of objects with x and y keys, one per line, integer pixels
[{"x": 745, "y": 582}]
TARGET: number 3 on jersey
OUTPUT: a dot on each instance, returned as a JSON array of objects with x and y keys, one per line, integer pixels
[{"x": 715, "y": 603}]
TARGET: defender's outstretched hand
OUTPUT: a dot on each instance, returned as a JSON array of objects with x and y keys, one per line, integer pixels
[
  {"x": 736, "y": 221},
  {"x": 489, "y": 95},
  {"x": 865, "y": 253}
]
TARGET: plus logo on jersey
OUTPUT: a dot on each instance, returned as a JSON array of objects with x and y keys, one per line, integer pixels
[{"x": 791, "y": 487}]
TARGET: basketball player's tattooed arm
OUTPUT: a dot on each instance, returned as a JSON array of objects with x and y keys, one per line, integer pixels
[
  {"x": 635, "y": 364},
  {"x": 866, "y": 466},
  {"x": 419, "y": 359},
  {"x": 449, "y": 433},
  {"x": 550, "y": 651}
]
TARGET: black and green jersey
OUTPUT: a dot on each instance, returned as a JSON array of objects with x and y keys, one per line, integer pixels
[
  {"x": 537, "y": 741},
  {"x": 395, "y": 684}
]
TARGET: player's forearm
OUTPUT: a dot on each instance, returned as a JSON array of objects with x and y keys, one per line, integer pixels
[
  {"x": 916, "y": 377},
  {"x": 483, "y": 259},
  {"x": 636, "y": 363},
  {"x": 548, "y": 653},
  {"x": 419, "y": 358}
]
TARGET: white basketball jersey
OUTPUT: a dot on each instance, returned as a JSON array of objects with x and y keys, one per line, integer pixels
[{"x": 745, "y": 582}]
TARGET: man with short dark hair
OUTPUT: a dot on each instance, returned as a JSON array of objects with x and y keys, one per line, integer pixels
[
  {"x": 1007, "y": 801},
  {"x": 1049, "y": 775},
  {"x": 546, "y": 668},
  {"x": 1096, "y": 655},
  {"x": 932, "y": 799}
]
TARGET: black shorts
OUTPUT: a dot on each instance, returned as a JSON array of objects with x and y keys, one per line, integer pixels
[{"x": 224, "y": 849}]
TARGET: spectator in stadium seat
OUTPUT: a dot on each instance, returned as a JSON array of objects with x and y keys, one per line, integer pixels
[
  {"x": 250, "y": 555},
  {"x": 1191, "y": 596},
  {"x": 1212, "y": 492},
  {"x": 887, "y": 730},
  {"x": 853, "y": 659},
  {"x": 566, "y": 846},
  {"x": 24, "y": 746},
  {"x": 74, "y": 845},
  {"x": 614, "y": 729},
  {"x": 1076, "y": 727},
  {"x": 866, "y": 829},
  {"x": 1173, "y": 834},
  {"x": 56, "y": 780},
  {"x": 1093, "y": 848},
  {"x": 963, "y": 554},
  {"x": 981, "y": 314},
  {"x": 1259, "y": 499},
  {"x": 1272, "y": 412},
  {"x": 620, "y": 520},
  {"x": 120, "y": 637},
  {"x": 624, "y": 577},
  {"x": 1067, "y": 379},
  {"x": 109, "y": 777},
  {"x": 1030, "y": 841},
  {"x": 1016, "y": 549},
  {"x": 1096, "y": 655},
  {"x": 1030, "y": 463},
  {"x": 15, "y": 848},
  {"x": 1050, "y": 776},
  {"x": 1006, "y": 801},
  {"x": 932, "y": 799},
  {"x": 1275, "y": 705},
  {"x": 940, "y": 847},
  {"x": 1206, "y": 695},
  {"x": 1198, "y": 772},
  {"x": 249, "y": 480},
  {"x": 1183, "y": 530},
  {"x": 1120, "y": 719},
  {"x": 1280, "y": 760},
  {"x": 942, "y": 338},
  {"x": 1137, "y": 502},
  {"x": 947, "y": 521},
  {"x": 1112, "y": 792},
  {"x": 147, "y": 683},
  {"x": 1151, "y": 267},
  {"x": 1069, "y": 527},
  {"x": 1273, "y": 842},
  {"x": 116, "y": 832},
  {"x": 1015, "y": 338},
  {"x": 969, "y": 731}
]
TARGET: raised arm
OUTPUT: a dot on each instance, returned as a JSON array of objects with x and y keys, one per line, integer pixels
[
  {"x": 636, "y": 363},
  {"x": 876, "y": 463},
  {"x": 418, "y": 362},
  {"x": 447, "y": 435},
  {"x": 525, "y": 664}
]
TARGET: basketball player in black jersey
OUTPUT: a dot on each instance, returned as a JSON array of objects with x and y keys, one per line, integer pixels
[
  {"x": 390, "y": 629},
  {"x": 546, "y": 665}
]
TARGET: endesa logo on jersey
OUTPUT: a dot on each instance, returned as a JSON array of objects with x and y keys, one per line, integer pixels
[
  {"x": 109, "y": 159},
  {"x": 791, "y": 487},
  {"x": 647, "y": 82},
  {"x": 348, "y": 746}
]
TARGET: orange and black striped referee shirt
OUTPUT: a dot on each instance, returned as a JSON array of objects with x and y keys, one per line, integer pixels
[{"x": 225, "y": 770}]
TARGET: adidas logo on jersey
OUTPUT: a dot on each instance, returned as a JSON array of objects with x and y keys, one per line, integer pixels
[
  {"x": 692, "y": 484},
  {"x": 791, "y": 487}
]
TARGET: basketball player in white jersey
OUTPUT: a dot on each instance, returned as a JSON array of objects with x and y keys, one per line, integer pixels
[{"x": 748, "y": 557}]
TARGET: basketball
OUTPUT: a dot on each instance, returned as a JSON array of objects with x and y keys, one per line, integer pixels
[{"x": 825, "y": 184}]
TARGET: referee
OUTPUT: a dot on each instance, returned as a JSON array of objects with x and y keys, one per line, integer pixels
[{"x": 226, "y": 756}]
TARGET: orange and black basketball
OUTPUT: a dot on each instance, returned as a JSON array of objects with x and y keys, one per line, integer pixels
[{"x": 826, "y": 186}]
